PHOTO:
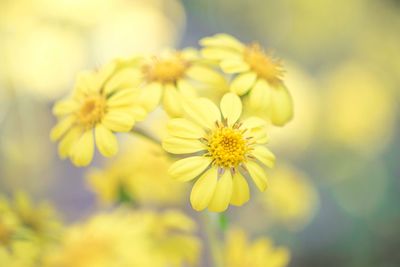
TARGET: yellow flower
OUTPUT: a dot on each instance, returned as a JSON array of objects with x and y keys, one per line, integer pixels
[
  {"x": 102, "y": 103},
  {"x": 123, "y": 238},
  {"x": 257, "y": 75},
  {"x": 225, "y": 150},
  {"x": 22, "y": 253},
  {"x": 169, "y": 78},
  {"x": 292, "y": 199},
  {"x": 260, "y": 253},
  {"x": 132, "y": 176}
]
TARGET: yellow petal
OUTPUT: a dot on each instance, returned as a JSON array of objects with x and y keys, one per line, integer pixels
[
  {"x": 242, "y": 83},
  {"x": 260, "y": 95},
  {"x": 264, "y": 155},
  {"x": 184, "y": 128},
  {"x": 177, "y": 145},
  {"x": 281, "y": 106},
  {"x": 259, "y": 135},
  {"x": 127, "y": 97},
  {"x": 240, "y": 191},
  {"x": 82, "y": 152},
  {"x": 61, "y": 127},
  {"x": 172, "y": 101},
  {"x": 253, "y": 122},
  {"x": 106, "y": 141},
  {"x": 104, "y": 74},
  {"x": 231, "y": 107},
  {"x": 151, "y": 96},
  {"x": 189, "y": 168},
  {"x": 203, "y": 112},
  {"x": 186, "y": 89},
  {"x": 65, "y": 107},
  {"x": 234, "y": 66},
  {"x": 223, "y": 193},
  {"x": 220, "y": 53},
  {"x": 222, "y": 40},
  {"x": 203, "y": 189},
  {"x": 118, "y": 121},
  {"x": 123, "y": 79},
  {"x": 68, "y": 141},
  {"x": 207, "y": 75},
  {"x": 258, "y": 175},
  {"x": 87, "y": 83}
]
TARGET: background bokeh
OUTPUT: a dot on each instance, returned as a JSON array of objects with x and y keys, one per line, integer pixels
[{"x": 334, "y": 194}]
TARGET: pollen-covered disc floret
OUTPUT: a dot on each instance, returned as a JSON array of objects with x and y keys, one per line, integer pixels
[
  {"x": 227, "y": 146},
  {"x": 103, "y": 102},
  {"x": 220, "y": 150},
  {"x": 168, "y": 70},
  {"x": 257, "y": 76}
]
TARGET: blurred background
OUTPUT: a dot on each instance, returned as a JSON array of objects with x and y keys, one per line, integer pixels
[{"x": 334, "y": 194}]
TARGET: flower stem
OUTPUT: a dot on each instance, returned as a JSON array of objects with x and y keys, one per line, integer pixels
[{"x": 210, "y": 225}]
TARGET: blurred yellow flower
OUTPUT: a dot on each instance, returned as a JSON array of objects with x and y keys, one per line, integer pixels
[
  {"x": 123, "y": 238},
  {"x": 103, "y": 102},
  {"x": 169, "y": 78},
  {"x": 238, "y": 252},
  {"x": 227, "y": 149},
  {"x": 132, "y": 177},
  {"x": 22, "y": 253},
  {"x": 292, "y": 199},
  {"x": 257, "y": 74}
]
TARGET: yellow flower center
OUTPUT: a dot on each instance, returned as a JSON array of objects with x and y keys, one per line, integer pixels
[
  {"x": 92, "y": 110},
  {"x": 227, "y": 146},
  {"x": 265, "y": 67},
  {"x": 166, "y": 70}
]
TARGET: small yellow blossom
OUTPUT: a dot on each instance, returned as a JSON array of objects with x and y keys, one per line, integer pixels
[
  {"x": 132, "y": 176},
  {"x": 173, "y": 76},
  {"x": 103, "y": 102},
  {"x": 21, "y": 253},
  {"x": 123, "y": 238},
  {"x": 292, "y": 199},
  {"x": 238, "y": 252},
  {"x": 226, "y": 149},
  {"x": 257, "y": 75}
]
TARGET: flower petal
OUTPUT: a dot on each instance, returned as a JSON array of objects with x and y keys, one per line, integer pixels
[
  {"x": 260, "y": 95},
  {"x": 203, "y": 112},
  {"x": 242, "y": 83},
  {"x": 118, "y": 121},
  {"x": 223, "y": 193},
  {"x": 123, "y": 79},
  {"x": 264, "y": 155},
  {"x": 106, "y": 141},
  {"x": 62, "y": 127},
  {"x": 281, "y": 106},
  {"x": 220, "y": 53},
  {"x": 258, "y": 175},
  {"x": 82, "y": 151},
  {"x": 240, "y": 191},
  {"x": 234, "y": 65},
  {"x": 184, "y": 128},
  {"x": 172, "y": 101},
  {"x": 177, "y": 145},
  {"x": 126, "y": 97},
  {"x": 207, "y": 75},
  {"x": 222, "y": 40},
  {"x": 253, "y": 122},
  {"x": 186, "y": 89},
  {"x": 231, "y": 107},
  {"x": 203, "y": 189},
  {"x": 65, "y": 107},
  {"x": 151, "y": 96},
  {"x": 68, "y": 141},
  {"x": 189, "y": 168}
]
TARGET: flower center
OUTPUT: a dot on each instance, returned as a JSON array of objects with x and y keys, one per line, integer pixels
[
  {"x": 92, "y": 110},
  {"x": 166, "y": 70},
  {"x": 227, "y": 146},
  {"x": 265, "y": 67}
]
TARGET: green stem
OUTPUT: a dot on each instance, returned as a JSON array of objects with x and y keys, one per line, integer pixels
[{"x": 210, "y": 224}]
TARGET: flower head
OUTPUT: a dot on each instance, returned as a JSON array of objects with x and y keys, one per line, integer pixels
[
  {"x": 257, "y": 75},
  {"x": 169, "y": 77},
  {"x": 225, "y": 149},
  {"x": 261, "y": 253},
  {"x": 103, "y": 102}
]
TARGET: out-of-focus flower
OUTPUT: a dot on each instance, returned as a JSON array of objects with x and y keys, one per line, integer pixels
[
  {"x": 238, "y": 252},
  {"x": 257, "y": 74},
  {"x": 170, "y": 78},
  {"x": 103, "y": 102},
  {"x": 123, "y": 238},
  {"x": 360, "y": 110},
  {"x": 227, "y": 148},
  {"x": 291, "y": 198},
  {"x": 21, "y": 253},
  {"x": 132, "y": 176}
]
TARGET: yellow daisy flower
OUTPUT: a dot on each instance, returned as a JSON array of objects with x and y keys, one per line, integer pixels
[
  {"x": 170, "y": 77},
  {"x": 103, "y": 102},
  {"x": 260, "y": 253},
  {"x": 257, "y": 75},
  {"x": 225, "y": 148}
]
